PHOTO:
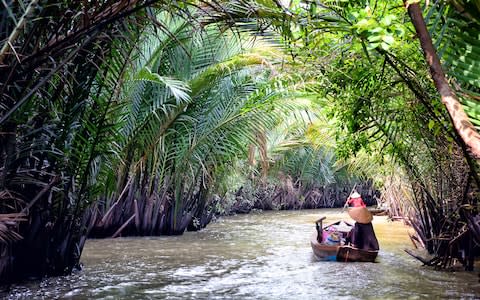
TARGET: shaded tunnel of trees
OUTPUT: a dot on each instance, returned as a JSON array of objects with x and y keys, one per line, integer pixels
[{"x": 139, "y": 117}]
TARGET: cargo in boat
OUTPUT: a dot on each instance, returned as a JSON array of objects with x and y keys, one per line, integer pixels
[{"x": 330, "y": 243}]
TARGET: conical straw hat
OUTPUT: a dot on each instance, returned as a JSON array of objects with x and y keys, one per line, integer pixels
[{"x": 360, "y": 214}]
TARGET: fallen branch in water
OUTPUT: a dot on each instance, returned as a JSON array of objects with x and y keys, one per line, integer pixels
[{"x": 424, "y": 260}]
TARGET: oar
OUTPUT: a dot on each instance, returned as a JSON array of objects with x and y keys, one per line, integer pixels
[{"x": 345, "y": 205}]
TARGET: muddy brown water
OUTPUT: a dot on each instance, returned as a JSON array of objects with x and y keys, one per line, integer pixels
[{"x": 256, "y": 256}]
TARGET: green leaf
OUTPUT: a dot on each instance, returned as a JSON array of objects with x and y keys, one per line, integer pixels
[
  {"x": 384, "y": 46},
  {"x": 374, "y": 38},
  {"x": 178, "y": 88},
  {"x": 387, "y": 20},
  {"x": 388, "y": 39}
]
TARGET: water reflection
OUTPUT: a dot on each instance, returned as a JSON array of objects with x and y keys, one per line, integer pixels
[{"x": 257, "y": 256}]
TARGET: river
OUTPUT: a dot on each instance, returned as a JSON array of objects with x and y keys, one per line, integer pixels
[{"x": 256, "y": 256}]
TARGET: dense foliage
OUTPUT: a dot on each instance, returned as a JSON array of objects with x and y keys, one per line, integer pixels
[
  {"x": 365, "y": 62},
  {"x": 384, "y": 102},
  {"x": 62, "y": 66},
  {"x": 197, "y": 98}
]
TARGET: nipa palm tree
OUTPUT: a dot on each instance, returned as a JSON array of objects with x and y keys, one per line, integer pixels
[
  {"x": 194, "y": 103},
  {"x": 61, "y": 71}
]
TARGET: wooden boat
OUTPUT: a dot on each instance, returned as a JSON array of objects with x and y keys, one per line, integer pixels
[
  {"x": 323, "y": 251},
  {"x": 338, "y": 252}
]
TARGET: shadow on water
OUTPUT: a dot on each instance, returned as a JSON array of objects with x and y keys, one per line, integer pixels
[{"x": 256, "y": 256}]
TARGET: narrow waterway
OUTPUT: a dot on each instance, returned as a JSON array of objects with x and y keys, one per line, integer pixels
[{"x": 257, "y": 256}]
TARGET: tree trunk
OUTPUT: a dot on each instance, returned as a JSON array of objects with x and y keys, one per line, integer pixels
[{"x": 460, "y": 120}]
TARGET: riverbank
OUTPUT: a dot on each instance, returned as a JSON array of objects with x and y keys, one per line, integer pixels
[{"x": 288, "y": 197}]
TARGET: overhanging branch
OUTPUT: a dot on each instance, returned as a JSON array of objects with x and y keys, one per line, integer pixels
[{"x": 459, "y": 118}]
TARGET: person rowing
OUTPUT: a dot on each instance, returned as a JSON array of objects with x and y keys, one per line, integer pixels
[
  {"x": 362, "y": 236},
  {"x": 355, "y": 200}
]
